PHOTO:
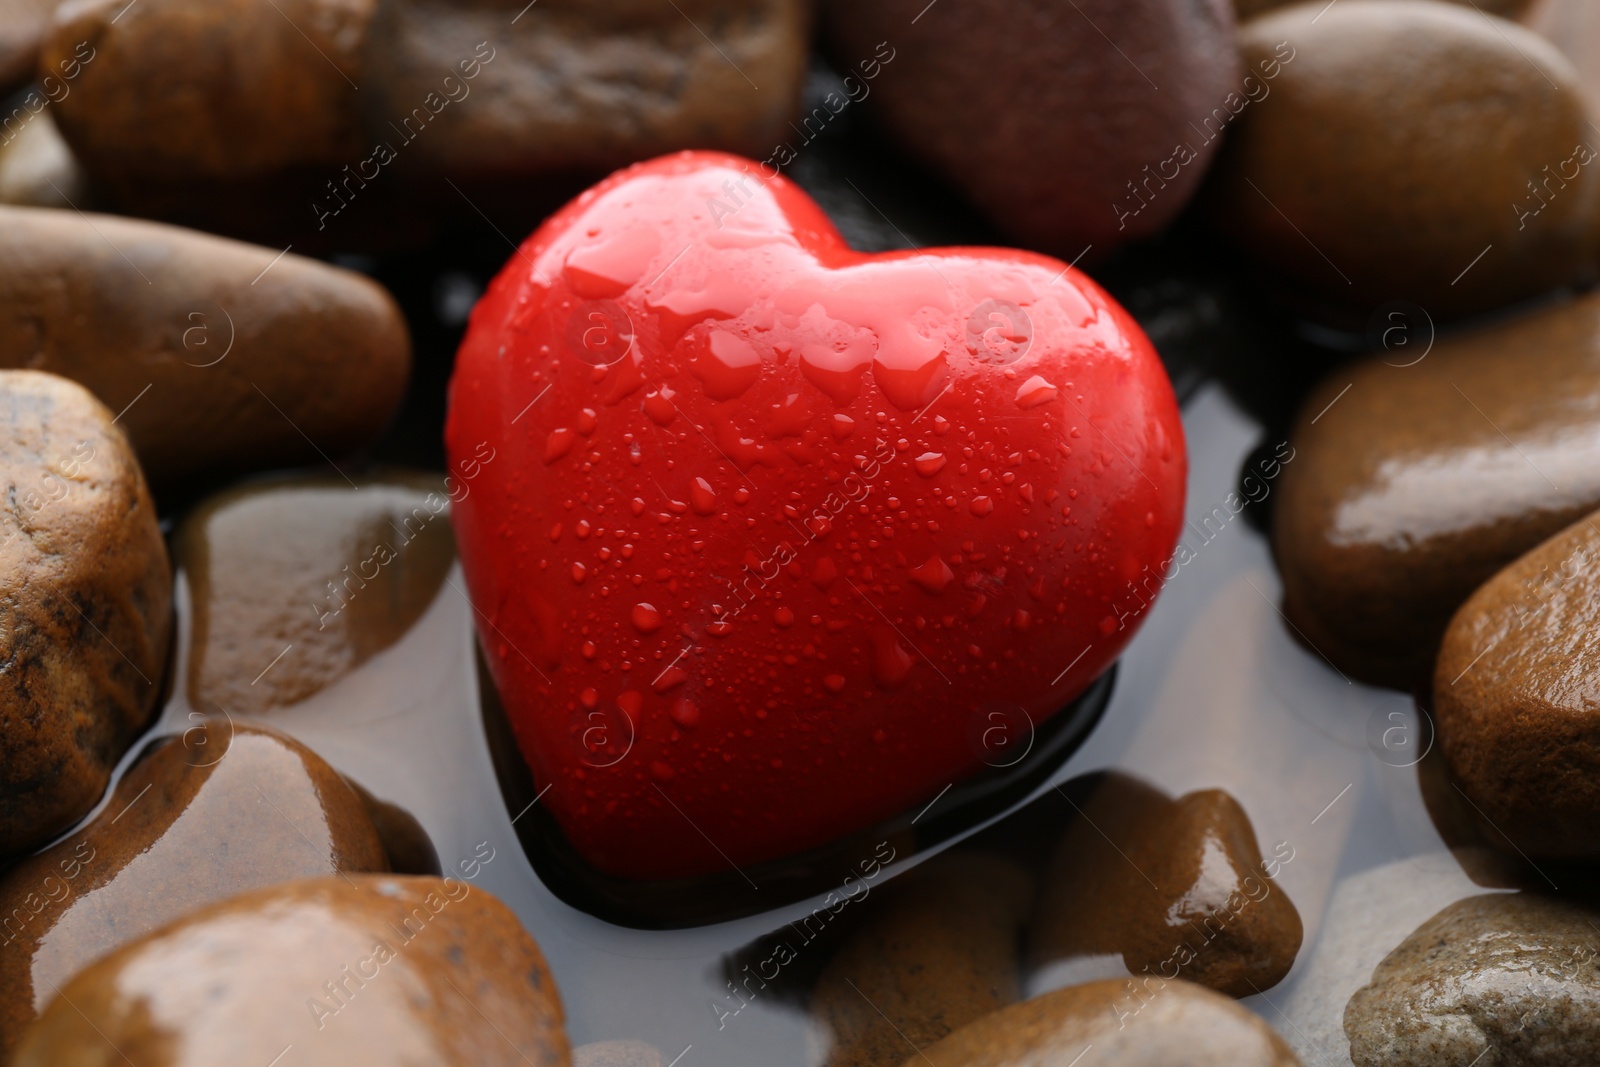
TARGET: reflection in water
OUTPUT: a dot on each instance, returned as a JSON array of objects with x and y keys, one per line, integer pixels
[
  {"x": 687, "y": 902},
  {"x": 1101, "y": 866}
]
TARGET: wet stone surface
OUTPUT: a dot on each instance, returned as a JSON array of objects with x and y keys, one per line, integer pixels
[
  {"x": 87, "y": 615},
  {"x": 1177, "y": 888},
  {"x": 1153, "y": 1026},
  {"x": 213, "y": 812},
  {"x": 1411, "y": 483},
  {"x": 1500, "y": 979},
  {"x": 361, "y": 969},
  {"x": 297, "y": 581}
]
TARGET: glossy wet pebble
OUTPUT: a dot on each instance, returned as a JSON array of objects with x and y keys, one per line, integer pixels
[
  {"x": 617, "y": 1054},
  {"x": 310, "y": 577},
  {"x": 1507, "y": 8},
  {"x": 87, "y": 615},
  {"x": 1497, "y": 980},
  {"x": 1513, "y": 698},
  {"x": 208, "y": 814},
  {"x": 1154, "y": 1026},
  {"x": 937, "y": 950},
  {"x": 379, "y": 970},
  {"x": 577, "y": 88},
  {"x": 22, "y": 25},
  {"x": 1419, "y": 481},
  {"x": 1178, "y": 888},
  {"x": 220, "y": 356},
  {"x": 1067, "y": 124},
  {"x": 1365, "y": 176},
  {"x": 262, "y": 87},
  {"x": 37, "y": 169}
]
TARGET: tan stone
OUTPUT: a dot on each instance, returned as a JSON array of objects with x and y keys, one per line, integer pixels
[
  {"x": 937, "y": 950},
  {"x": 86, "y": 618},
  {"x": 1047, "y": 114},
  {"x": 616, "y": 1054},
  {"x": 1508, "y": 8},
  {"x": 1513, "y": 699},
  {"x": 1424, "y": 478},
  {"x": 205, "y": 815},
  {"x": 1402, "y": 141},
  {"x": 228, "y": 88},
  {"x": 1496, "y": 980},
  {"x": 1154, "y": 1026},
  {"x": 334, "y": 574},
  {"x": 1177, "y": 888},
  {"x": 404, "y": 970},
  {"x": 249, "y": 363},
  {"x": 37, "y": 169},
  {"x": 498, "y": 87},
  {"x": 22, "y": 26}
]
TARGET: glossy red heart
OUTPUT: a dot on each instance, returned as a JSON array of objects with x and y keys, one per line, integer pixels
[{"x": 772, "y": 528}]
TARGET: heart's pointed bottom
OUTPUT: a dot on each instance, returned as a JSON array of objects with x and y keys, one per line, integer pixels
[{"x": 844, "y": 866}]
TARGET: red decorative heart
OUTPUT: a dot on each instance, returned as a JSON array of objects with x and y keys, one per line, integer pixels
[{"x": 768, "y": 538}]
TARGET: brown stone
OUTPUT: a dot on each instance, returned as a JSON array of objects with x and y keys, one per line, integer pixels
[
  {"x": 1496, "y": 980},
  {"x": 226, "y": 89},
  {"x": 37, "y": 169},
  {"x": 1178, "y": 888},
  {"x": 22, "y": 26},
  {"x": 213, "y": 812},
  {"x": 1513, "y": 698},
  {"x": 563, "y": 85},
  {"x": 87, "y": 613},
  {"x": 617, "y": 1054},
  {"x": 334, "y": 574},
  {"x": 405, "y": 842},
  {"x": 380, "y": 970},
  {"x": 1046, "y": 114},
  {"x": 1510, "y": 9},
  {"x": 936, "y": 951},
  {"x": 249, "y": 363},
  {"x": 1163, "y": 1024},
  {"x": 1367, "y": 175},
  {"x": 1574, "y": 27},
  {"x": 1426, "y": 477}
]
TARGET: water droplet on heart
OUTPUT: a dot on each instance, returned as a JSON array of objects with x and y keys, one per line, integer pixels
[
  {"x": 980, "y": 506},
  {"x": 824, "y": 573},
  {"x": 589, "y": 698},
  {"x": 685, "y": 713},
  {"x": 843, "y": 426},
  {"x": 726, "y": 364},
  {"x": 702, "y": 497},
  {"x": 646, "y": 619},
  {"x": 834, "y": 682},
  {"x": 929, "y": 463},
  {"x": 659, "y": 406},
  {"x": 784, "y": 617},
  {"x": 589, "y": 650},
  {"x": 933, "y": 575},
  {"x": 890, "y": 662},
  {"x": 558, "y": 444},
  {"x": 668, "y": 679},
  {"x": 579, "y": 573},
  {"x": 1035, "y": 391}
]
